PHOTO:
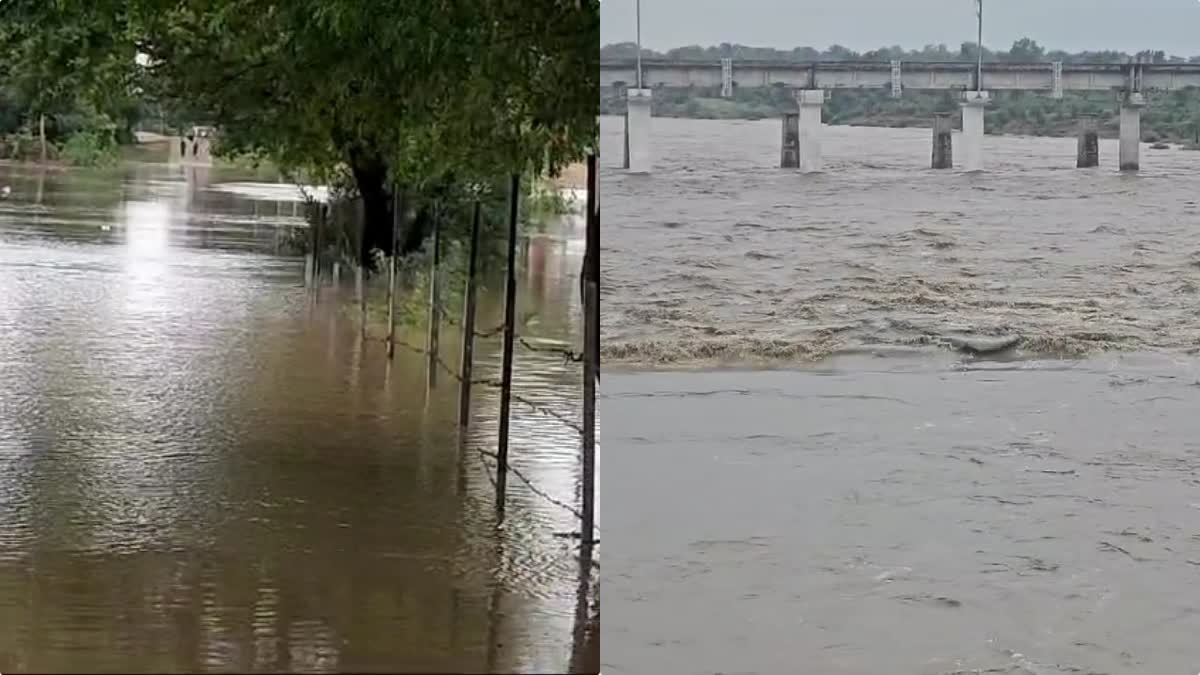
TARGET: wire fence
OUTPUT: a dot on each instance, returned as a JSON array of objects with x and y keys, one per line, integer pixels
[
  {"x": 569, "y": 355},
  {"x": 483, "y": 454}
]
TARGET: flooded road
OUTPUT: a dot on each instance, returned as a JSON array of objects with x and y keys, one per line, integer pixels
[
  {"x": 810, "y": 481},
  {"x": 201, "y": 470}
]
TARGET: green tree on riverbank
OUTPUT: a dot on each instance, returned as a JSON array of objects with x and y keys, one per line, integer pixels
[
  {"x": 362, "y": 94},
  {"x": 371, "y": 94},
  {"x": 62, "y": 76}
]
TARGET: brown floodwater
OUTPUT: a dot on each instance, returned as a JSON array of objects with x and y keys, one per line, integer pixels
[
  {"x": 845, "y": 495},
  {"x": 719, "y": 256},
  {"x": 201, "y": 469},
  {"x": 916, "y": 515}
]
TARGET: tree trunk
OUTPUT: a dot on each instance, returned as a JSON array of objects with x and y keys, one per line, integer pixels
[
  {"x": 418, "y": 230},
  {"x": 423, "y": 224},
  {"x": 42, "y": 134},
  {"x": 370, "y": 175}
]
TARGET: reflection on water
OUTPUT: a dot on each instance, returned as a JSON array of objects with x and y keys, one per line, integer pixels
[{"x": 199, "y": 470}]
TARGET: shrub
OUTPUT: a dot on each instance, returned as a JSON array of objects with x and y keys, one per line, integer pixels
[
  {"x": 22, "y": 145},
  {"x": 90, "y": 148}
]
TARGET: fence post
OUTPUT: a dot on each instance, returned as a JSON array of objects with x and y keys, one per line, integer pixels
[
  {"x": 360, "y": 274},
  {"x": 310, "y": 259},
  {"x": 397, "y": 206},
  {"x": 510, "y": 318},
  {"x": 468, "y": 326},
  {"x": 591, "y": 355},
  {"x": 435, "y": 297},
  {"x": 317, "y": 253}
]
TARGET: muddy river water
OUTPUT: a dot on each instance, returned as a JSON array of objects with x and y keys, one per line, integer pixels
[
  {"x": 203, "y": 470},
  {"x": 811, "y": 481}
]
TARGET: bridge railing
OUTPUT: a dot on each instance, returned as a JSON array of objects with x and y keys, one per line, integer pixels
[{"x": 744, "y": 64}]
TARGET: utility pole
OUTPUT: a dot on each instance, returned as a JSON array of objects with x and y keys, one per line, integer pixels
[
  {"x": 639, "y": 44},
  {"x": 979, "y": 46}
]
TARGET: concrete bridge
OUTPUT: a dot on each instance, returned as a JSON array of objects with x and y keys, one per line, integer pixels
[{"x": 810, "y": 82}]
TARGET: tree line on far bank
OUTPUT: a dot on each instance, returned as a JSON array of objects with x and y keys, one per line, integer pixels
[
  {"x": 1170, "y": 117},
  {"x": 1024, "y": 50}
]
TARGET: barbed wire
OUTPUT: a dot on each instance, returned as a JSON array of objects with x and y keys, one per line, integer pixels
[
  {"x": 490, "y": 333},
  {"x": 449, "y": 319},
  {"x": 551, "y": 413},
  {"x": 569, "y": 356},
  {"x": 483, "y": 455},
  {"x": 487, "y": 470},
  {"x": 441, "y": 363},
  {"x": 494, "y": 383},
  {"x": 529, "y": 484},
  {"x": 487, "y": 454}
]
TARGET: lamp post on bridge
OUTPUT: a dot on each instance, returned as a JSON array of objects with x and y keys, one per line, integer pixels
[
  {"x": 979, "y": 46},
  {"x": 638, "y": 12},
  {"x": 973, "y": 105},
  {"x": 637, "y": 112}
]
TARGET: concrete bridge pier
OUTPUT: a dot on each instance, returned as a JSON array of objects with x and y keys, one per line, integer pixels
[
  {"x": 789, "y": 153},
  {"x": 943, "y": 148},
  {"x": 1131, "y": 130},
  {"x": 1088, "y": 152},
  {"x": 637, "y": 130},
  {"x": 810, "y": 101},
  {"x": 973, "y": 104}
]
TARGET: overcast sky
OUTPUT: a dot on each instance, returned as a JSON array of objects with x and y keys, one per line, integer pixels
[{"x": 1073, "y": 25}]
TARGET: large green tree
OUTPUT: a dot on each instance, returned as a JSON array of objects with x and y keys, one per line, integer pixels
[
  {"x": 417, "y": 93},
  {"x": 423, "y": 94},
  {"x": 68, "y": 62}
]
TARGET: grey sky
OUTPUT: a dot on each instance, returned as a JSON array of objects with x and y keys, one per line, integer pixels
[{"x": 1074, "y": 25}]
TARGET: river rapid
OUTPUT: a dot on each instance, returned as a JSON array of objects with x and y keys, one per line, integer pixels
[{"x": 719, "y": 256}]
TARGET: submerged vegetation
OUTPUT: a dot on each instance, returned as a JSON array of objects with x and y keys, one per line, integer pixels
[
  {"x": 90, "y": 147},
  {"x": 1173, "y": 117},
  {"x": 340, "y": 234}
]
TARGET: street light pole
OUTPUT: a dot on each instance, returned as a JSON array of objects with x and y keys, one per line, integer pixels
[
  {"x": 979, "y": 47},
  {"x": 639, "y": 44}
]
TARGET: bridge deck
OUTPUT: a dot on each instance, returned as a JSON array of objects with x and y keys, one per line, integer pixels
[{"x": 913, "y": 75}]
